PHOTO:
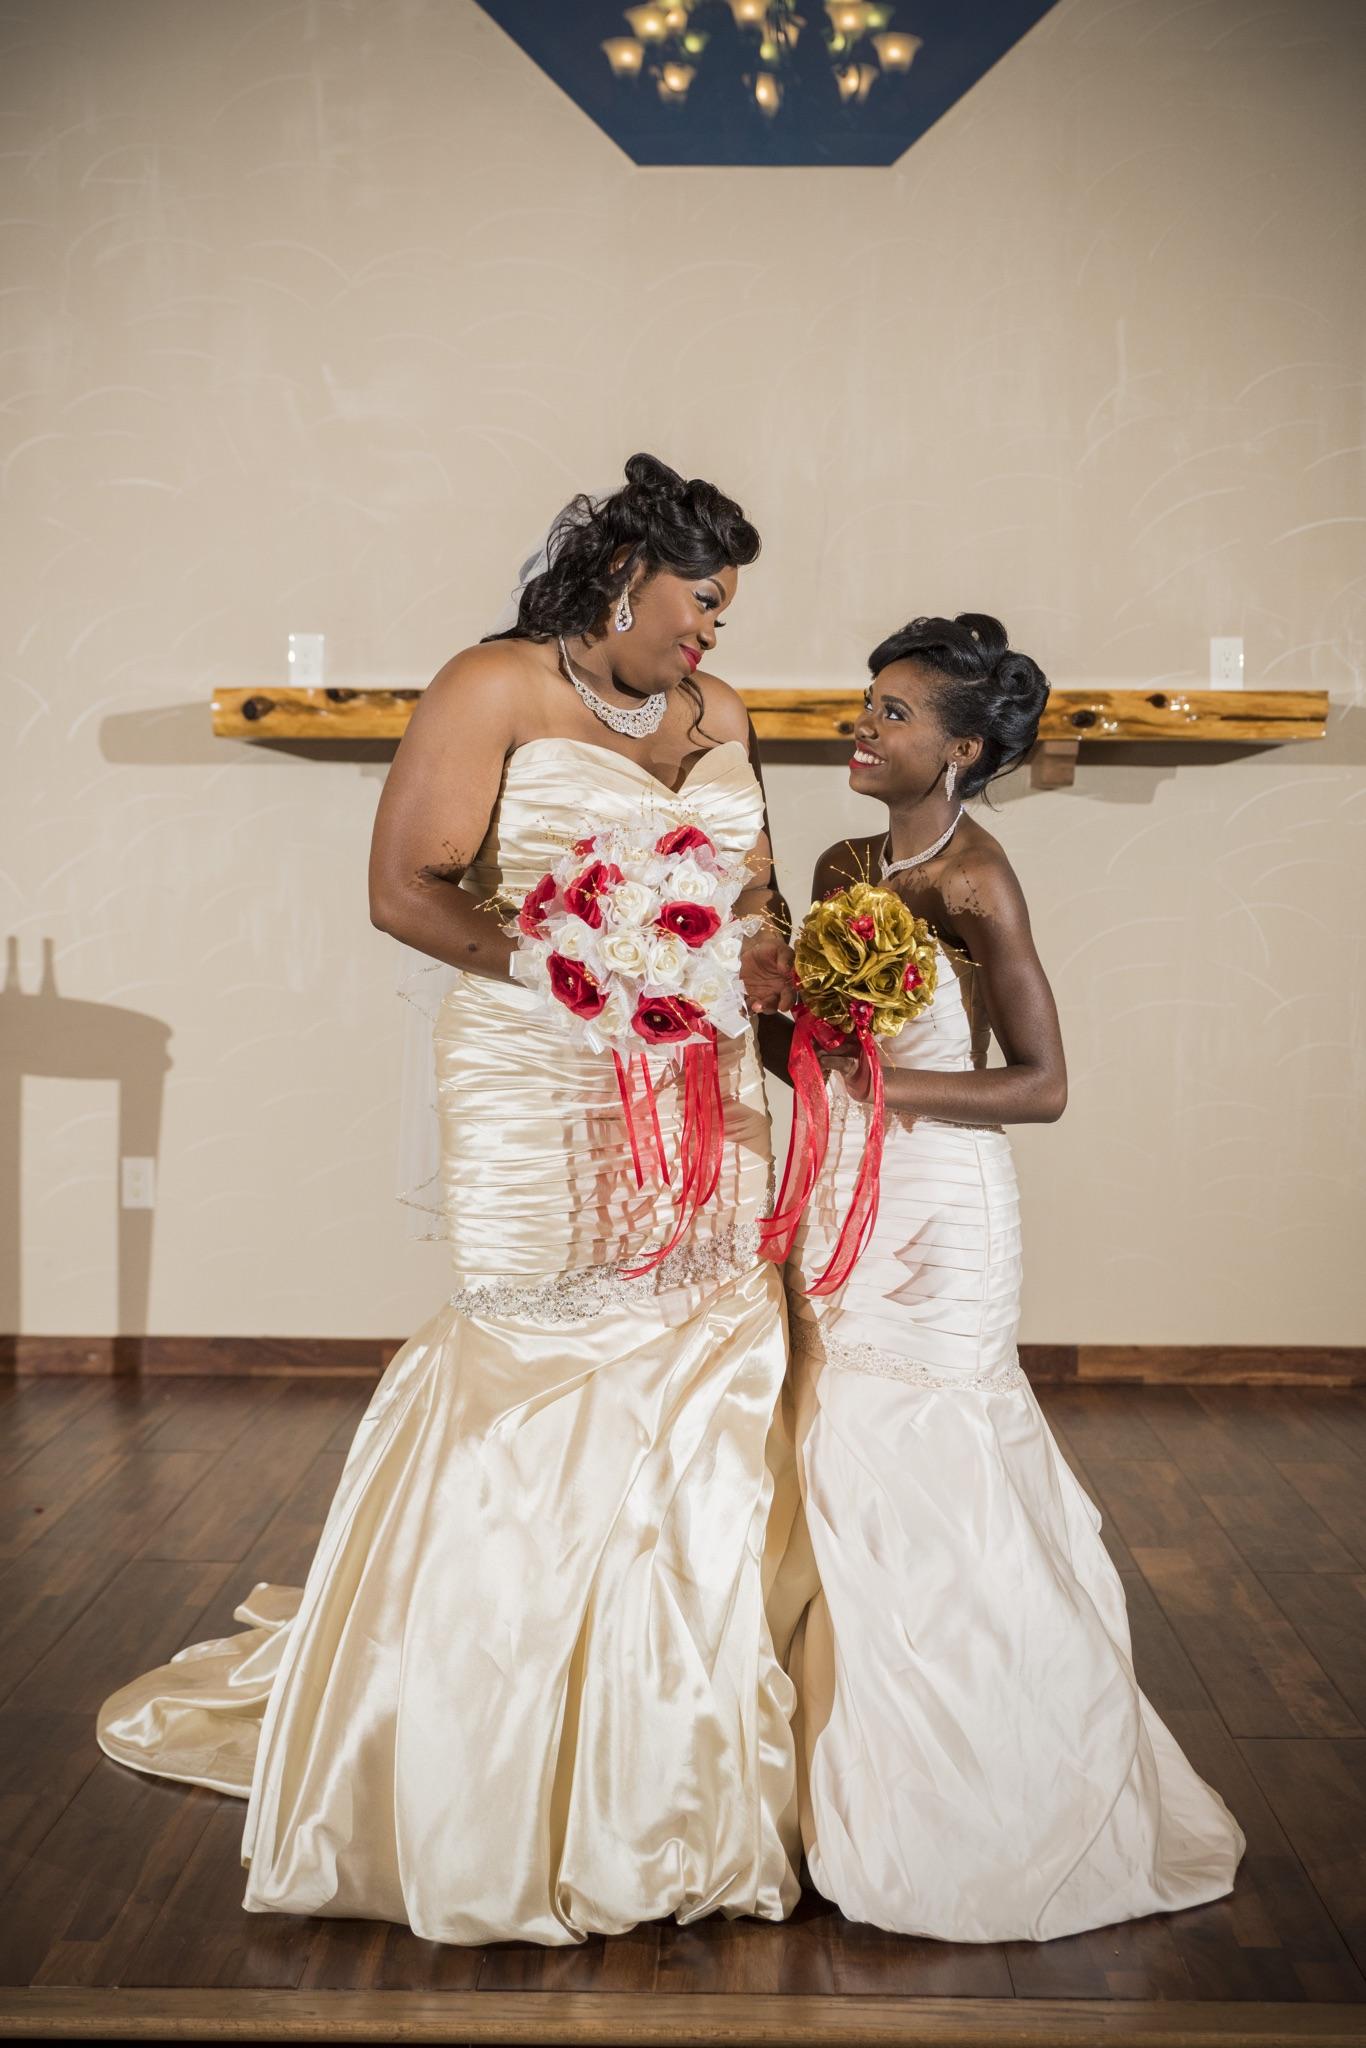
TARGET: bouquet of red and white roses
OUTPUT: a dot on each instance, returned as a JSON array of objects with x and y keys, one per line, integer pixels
[{"x": 635, "y": 943}]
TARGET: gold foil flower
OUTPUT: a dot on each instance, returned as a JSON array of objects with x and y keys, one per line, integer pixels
[{"x": 863, "y": 946}]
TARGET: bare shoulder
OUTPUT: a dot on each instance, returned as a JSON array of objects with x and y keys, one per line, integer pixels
[
  {"x": 977, "y": 879},
  {"x": 495, "y": 684},
  {"x": 723, "y": 709}
]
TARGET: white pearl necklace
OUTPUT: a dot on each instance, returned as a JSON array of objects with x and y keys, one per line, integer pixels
[
  {"x": 634, "y": 725},
  {"x": 915, "y": 860}
]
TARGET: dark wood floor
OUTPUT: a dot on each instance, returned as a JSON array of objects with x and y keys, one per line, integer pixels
[{"x": 135, "y": 1515}]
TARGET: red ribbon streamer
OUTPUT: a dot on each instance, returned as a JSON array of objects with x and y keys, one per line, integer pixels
[
  {"x": 810, "y": 1132},
  {"x": 858, "y": 1224},
  {"x": 700, "y": 1145},
  {"x": 808, "y": 1143},
  {"x": 626, "y": 1088}
]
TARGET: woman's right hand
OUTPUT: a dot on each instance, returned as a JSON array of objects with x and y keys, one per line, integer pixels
[{"x": 767, "y": 965}]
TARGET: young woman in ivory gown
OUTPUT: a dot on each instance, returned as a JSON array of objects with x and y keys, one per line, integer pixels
[
  {"x": 529, "y": 1688},
  {"x": 977, "y": 1761}
]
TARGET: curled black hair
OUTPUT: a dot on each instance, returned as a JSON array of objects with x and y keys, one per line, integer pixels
[
  {"x": 986, "y": 689},
  {"x": 659, "y": 519}
]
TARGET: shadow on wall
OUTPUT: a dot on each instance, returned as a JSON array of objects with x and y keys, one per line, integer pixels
[{"x": 50, "y": 1036}]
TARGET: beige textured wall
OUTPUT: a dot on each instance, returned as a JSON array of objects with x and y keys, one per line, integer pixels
[{"x": 315, "y": 311}]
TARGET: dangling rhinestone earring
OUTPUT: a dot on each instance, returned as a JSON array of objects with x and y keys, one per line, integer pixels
[
  {"x": 625, "y": 618},
  {"x": 950, "y": 779}
]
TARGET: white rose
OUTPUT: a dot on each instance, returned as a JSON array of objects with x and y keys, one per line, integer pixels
[
  {"x": 570, "y": 939},
  {"x": 725, "y": 949},
  {"x": 691, "y": 884},
  {"x": 668, "y": 962},
  {"x": 614, "y": 1019},
  {"x": 626, "y": 951},
  {"x": 631, "y": 903},
  {"x": 707, "y": 988}
]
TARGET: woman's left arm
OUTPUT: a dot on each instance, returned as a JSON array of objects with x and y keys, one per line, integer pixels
[{"x": 984, "y": 904}]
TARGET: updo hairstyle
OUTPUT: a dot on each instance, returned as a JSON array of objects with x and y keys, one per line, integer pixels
[{"x": 984, "y": 688}]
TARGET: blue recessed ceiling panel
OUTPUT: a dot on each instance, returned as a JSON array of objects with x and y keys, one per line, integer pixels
[{"x": 827, "y": 103}]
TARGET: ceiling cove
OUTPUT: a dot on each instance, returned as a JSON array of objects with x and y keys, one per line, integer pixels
[{"x": 766, "y": 82}]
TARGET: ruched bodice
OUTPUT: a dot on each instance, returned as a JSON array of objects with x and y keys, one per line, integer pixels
[{"x": 528, "y": 1116}]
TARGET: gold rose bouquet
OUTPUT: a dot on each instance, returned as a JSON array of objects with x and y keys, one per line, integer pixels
[{"x": 865, "y": 967}]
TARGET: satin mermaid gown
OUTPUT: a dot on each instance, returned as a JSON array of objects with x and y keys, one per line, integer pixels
[
  {"x": 529, "y": 1688},
  {"x": 977, "y": 1762}
]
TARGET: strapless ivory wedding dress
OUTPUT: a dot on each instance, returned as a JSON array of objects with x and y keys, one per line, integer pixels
[
  {"x": 977, "y": 1762},
  {"x": 530, "y": 1687}
]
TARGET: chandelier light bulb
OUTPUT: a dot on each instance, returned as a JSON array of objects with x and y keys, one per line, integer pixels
[
  {"x": 674, "y": 81},
  {"x": 648, "y": 23},
  {"x": 675, "y": 19},
  {"x": 768, "y": 92},
  {"x": 895, "y": 52},
  {"x": 748, "y": 13},
  {"x": 625, "y": 55}
]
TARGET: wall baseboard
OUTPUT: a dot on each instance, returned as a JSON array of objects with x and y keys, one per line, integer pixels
[{"x": 364, "y": 1358}]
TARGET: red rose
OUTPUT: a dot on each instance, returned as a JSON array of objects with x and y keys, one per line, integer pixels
[
  {"x": 583, "y": 846},
  {"x": 863, "y": 928},
  {"x": 664, "y": 1020},
  {"x": 912, "y": 978},
  {"x": 531, "y": 916},
  {"x": 572, "y": 985},
  {"x": 694, "y": 923},
  {"x": 684, "y": 839},
  {"x": 581, "y": 897}
]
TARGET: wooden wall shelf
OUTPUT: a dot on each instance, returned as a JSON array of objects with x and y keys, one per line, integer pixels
[{"x": 1073, "y": 718}]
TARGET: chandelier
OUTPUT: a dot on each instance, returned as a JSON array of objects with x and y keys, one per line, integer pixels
[{"x": 666, "y": 46}]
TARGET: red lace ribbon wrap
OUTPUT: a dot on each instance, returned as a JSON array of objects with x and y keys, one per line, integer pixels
[
  {"x": 700, "y": 1143},
  {"x": 810, "y": 1140}
]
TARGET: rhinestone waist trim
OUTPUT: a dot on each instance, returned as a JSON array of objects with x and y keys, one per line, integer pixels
[
  {"x": 593, "y": 1290},
  {"x": 808, "y": 1341}
]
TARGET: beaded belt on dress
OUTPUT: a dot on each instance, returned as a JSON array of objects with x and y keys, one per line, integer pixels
[
  {"x": 809, "y": 1340},
  {"x": 592, "y": 1290}
]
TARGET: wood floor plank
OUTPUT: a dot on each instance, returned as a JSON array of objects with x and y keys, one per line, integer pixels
[
  {"x": 1155, "y": 1507},
  {"x": 44, "y": 1758},
  {"x": 282, "y": 1552},
  {"x": 628, "y": 1962},
  {"x": 1105, "y": 1422},
  {"x": 1262, "y": 1677},
  {"x": 1318, "y": 1793},
  {"x": 209, "y": 1414},
  {"x": 1328, "y": 1613},
  {"x": 140, "y": 1620},
  {"x": 88, "y": 1899},
  {"x": 1270, "y": 1524},
  {"x": 1300, "y": 1424},
  {"x": 749, "y": 1956},
  {"x": 1116, "y": 1548},
  {"x": 1337, "y": 1493},
  {"x": 37, "y": 1411},
  {"x": 201, "y": 1936},
  {"x": 45, "y": 1592},
  {"x": 361, "y": 1955},
  {"x": 251, "y": 1477}
]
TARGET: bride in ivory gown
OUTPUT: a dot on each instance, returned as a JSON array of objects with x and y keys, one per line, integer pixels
[
  {"x": 529, "y": 1688},
  {"x": 977, "y": 1762}
]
